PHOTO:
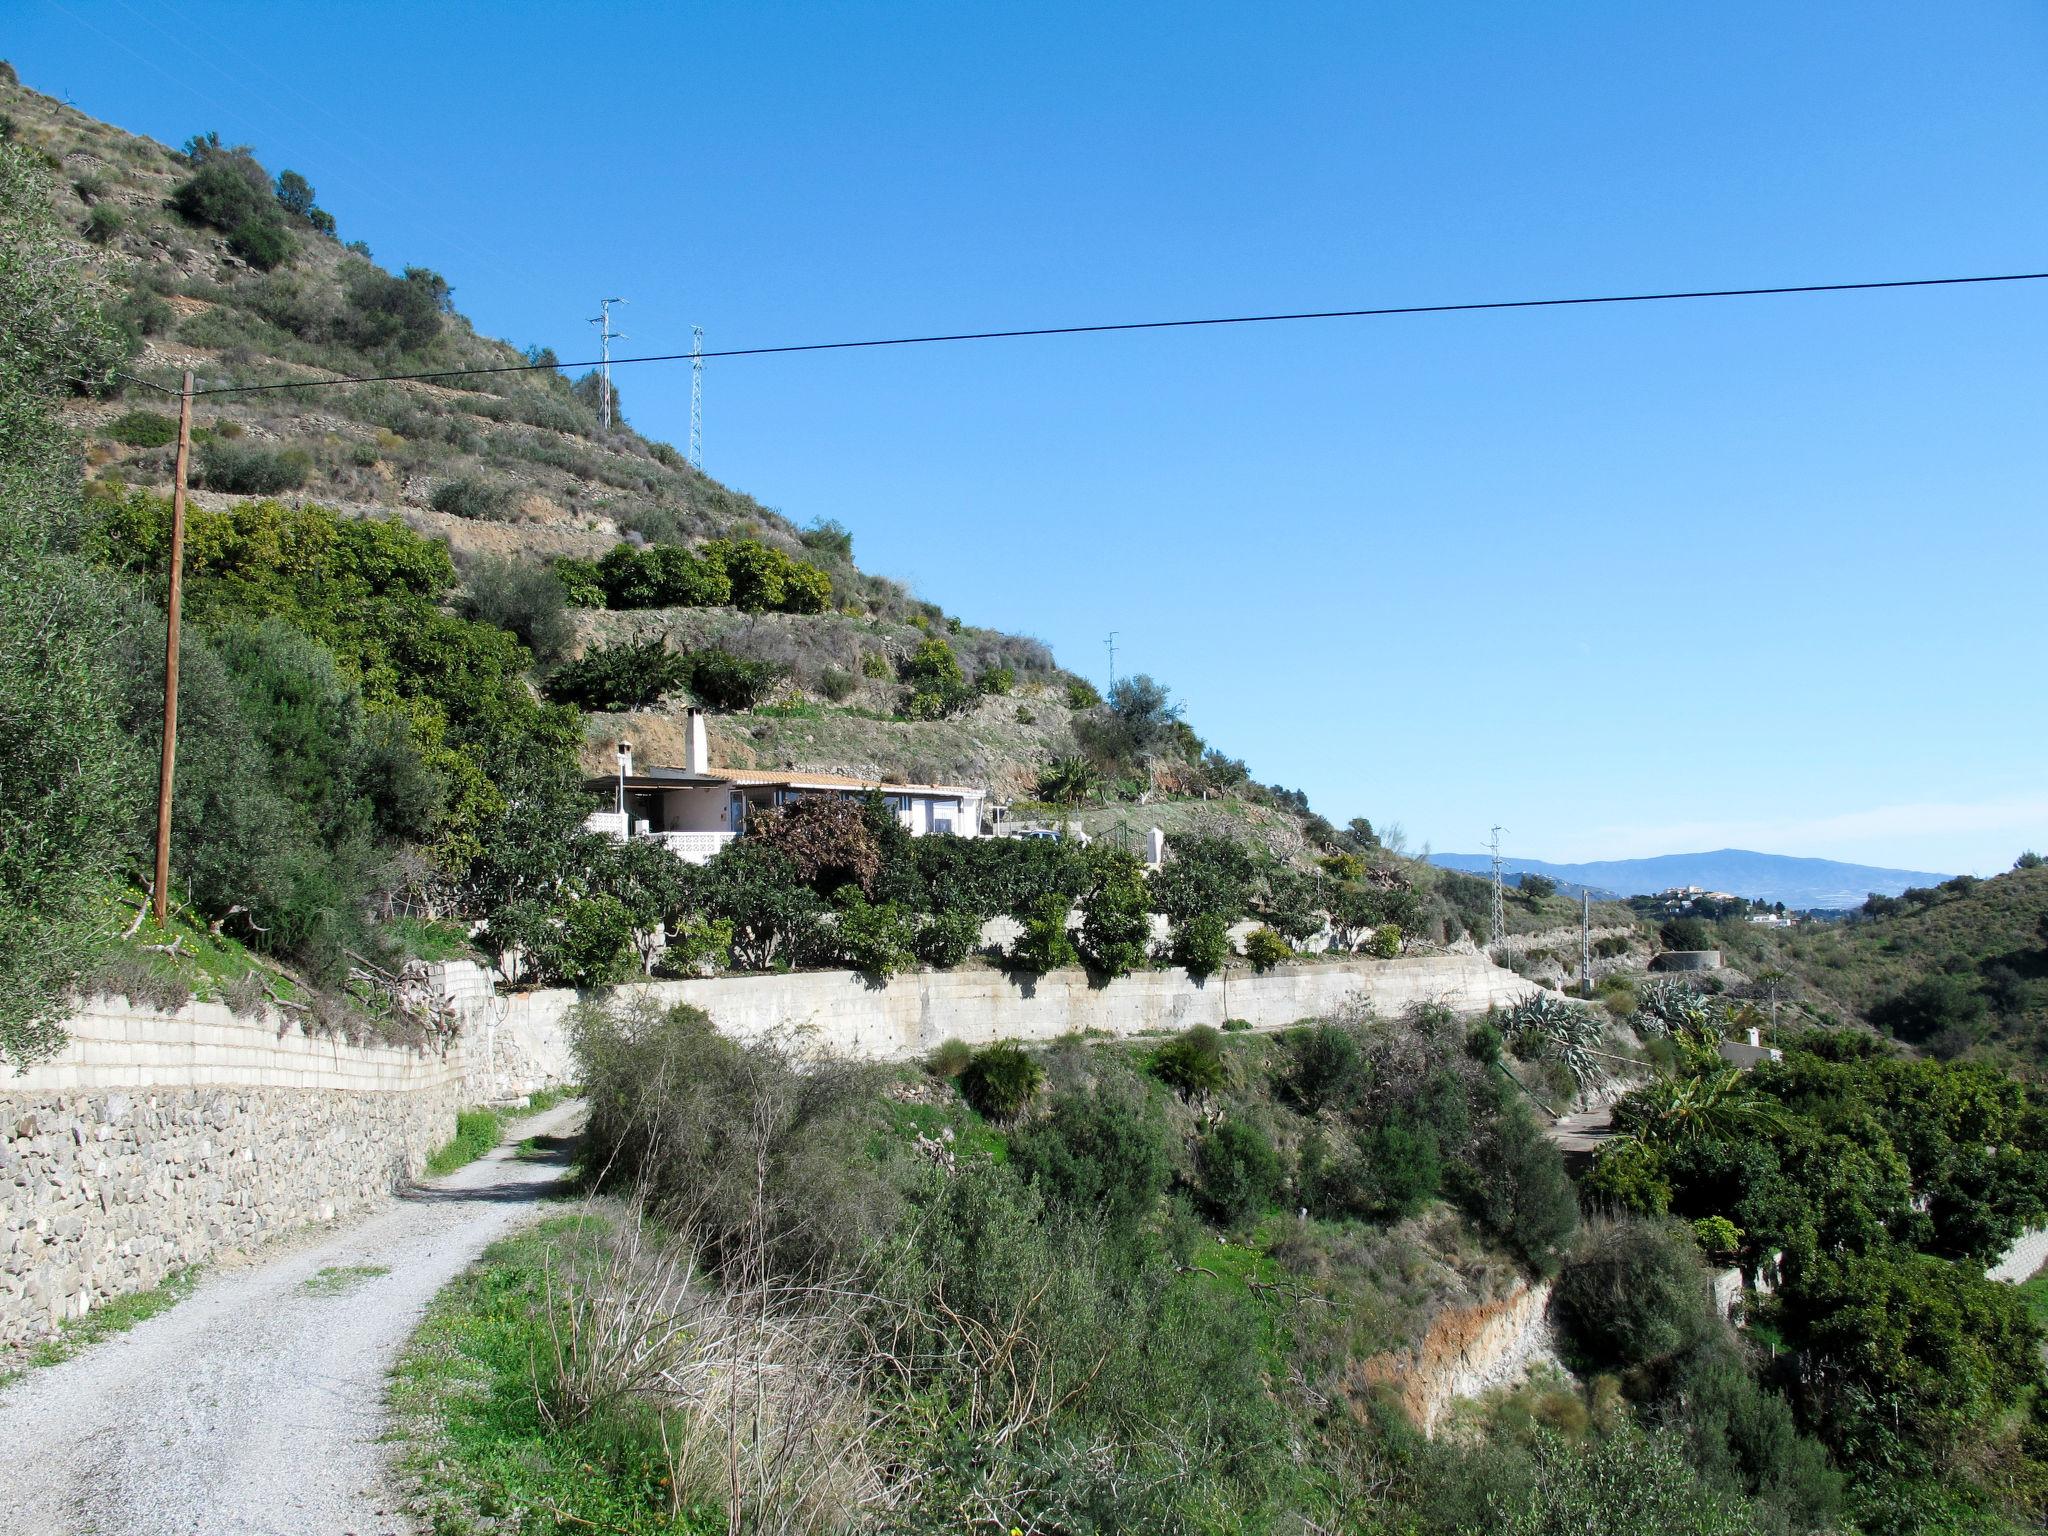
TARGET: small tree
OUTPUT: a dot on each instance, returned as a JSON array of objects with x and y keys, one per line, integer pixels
[
  {"x": 1237, "y": 1172},
  {"x": 874, "y": 939},
  {"x": 1386, "y": 941},
  {"x": 619, "y": 677},
  {"x": 1201, "y": 944},
  {"x": 937, "y": 686},
  {"x": 294, "y": 194},
  {"x": 947, "y": 937},
  {"x": 1044, "y": 944},
  {"x": 1191, "y": 1063},
  {"x": 1116, "y": 925},
  {"x": 1266, "y": 949}
]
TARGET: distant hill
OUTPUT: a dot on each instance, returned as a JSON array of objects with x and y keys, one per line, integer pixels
[{"x": 1799, "y": 883}]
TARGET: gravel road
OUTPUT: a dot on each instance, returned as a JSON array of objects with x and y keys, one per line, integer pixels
[{"x": 256, "y": 1405}]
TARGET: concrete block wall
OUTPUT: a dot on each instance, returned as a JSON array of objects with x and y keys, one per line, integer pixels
[{"x": 907, "y": 1015}]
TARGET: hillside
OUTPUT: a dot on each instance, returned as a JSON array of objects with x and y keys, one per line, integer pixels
[
  {"x": 1802, "y": 884},
  {"x": 1951, "y": 968}
]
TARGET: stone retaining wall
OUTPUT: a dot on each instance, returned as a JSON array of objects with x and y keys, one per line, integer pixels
[{"x": 153, "y": 1141}]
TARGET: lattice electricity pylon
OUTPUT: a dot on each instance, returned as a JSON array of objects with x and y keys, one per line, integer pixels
[
  {"x": 1500, "y": 906},
  {"x": 696, "y": 397}
]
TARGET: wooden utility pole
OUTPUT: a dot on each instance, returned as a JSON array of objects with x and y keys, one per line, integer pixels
[{"x": 162, "y": 893}]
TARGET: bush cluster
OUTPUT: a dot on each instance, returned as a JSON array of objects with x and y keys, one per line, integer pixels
[{"x": 740, "y": 573}]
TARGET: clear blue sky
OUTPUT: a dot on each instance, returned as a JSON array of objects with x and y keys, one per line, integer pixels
[{"x": 1626, "y": 581}]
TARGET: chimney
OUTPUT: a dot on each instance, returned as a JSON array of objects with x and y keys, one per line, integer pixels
[
  {"x": 625, "y": 758},
  {"x": 699, "y": 758}
]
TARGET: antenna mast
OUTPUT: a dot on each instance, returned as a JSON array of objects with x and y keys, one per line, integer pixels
[
  {"x": 1111, "y": 643},
  {"x": 1500, "y": 908},
  {"x": 1586, "y": 940},
  {"x": 696, "y": 397},
  {"x": 606, "y": 336}
]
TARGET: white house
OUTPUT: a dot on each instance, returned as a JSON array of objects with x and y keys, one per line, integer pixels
[{"x": 696, "y": 809}]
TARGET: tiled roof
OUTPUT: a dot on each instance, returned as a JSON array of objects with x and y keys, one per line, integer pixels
[{"x": 785, "y": 778}]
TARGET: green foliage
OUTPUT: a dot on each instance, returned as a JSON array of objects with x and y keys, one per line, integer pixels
[
  {"x": 1203, "y": 875},
  {"x": 994, "y": 682},
  {"x": 1686, "y": 933},
  {"x": 937, "y": 686},
  {"x": 1115, "y": 914},
  {"x": 1632, "y": 1294},
  {"x": 480, "y": 500},
  {"x": 103, "y": 223},
  {"x": 1099, "y": 1152},
  {"x": 1191, "y": 1063},
  {"x": 1044, "y": 945},
  {"x": 1325, "y": 1067},
  {"x": 774, "y": 915},
  {"x": 477, "y": 1131},
  {"x": 619, "y": 677},
  {"x": 836, "y": 684},
  {"x": 143, "y": 429},
  {"x": 64, "y": 759},
  {"x": 756, "y": 577},
  {"x": 1081, "y": 694},
  {"x": 1237, "y": 1172},
  {"x": 249, "y": 469},
  {"x": 232, "y": 193},
  {"x": 946, "y": 938},
  {"x": 1386, "y": 941},
  {"x": 720, "y": 680},
  {"x": 294, "y": 194},
  {"x": 582, "y": 581},
  {"x": 1201, "y": 944},
  {"x": 949, "y": 1058},
  {"x": 1612, "y": 1485},
  {"x": 1266, "y": 949},
  {"x": 1514, "y": 1185},
  {"x": 519, "y": 596},
  {"x": 1000, "y": 1080},
  {"x": 393, "y": 316},
  {"x": 875, "y": 939},
  {"x": 1628, "y": 1175},
  {"x": 828, "y": 537},
  {"x": 1068, "y": 780}
]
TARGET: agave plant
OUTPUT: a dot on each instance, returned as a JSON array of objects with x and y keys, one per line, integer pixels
[
  {"x": 1672, "y": 1008},
  {"x": 1547, "y": 1026}
]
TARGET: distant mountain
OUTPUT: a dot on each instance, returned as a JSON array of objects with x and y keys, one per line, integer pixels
[{"x": 1799, "y": 883}]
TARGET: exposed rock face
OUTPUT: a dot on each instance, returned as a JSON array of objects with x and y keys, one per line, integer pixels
[{"x": 1466, "y": 1351}]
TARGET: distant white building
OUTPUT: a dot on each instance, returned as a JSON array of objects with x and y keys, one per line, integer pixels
[{"x": 696, "y": 809}]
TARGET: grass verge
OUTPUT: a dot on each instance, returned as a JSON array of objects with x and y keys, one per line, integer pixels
[
  {"x": 476, "y": 1132},
  {"x": 468, "y": 1393},
  {"x": 116, "y": 1316},
  {"x": 338, "y": 1279}
]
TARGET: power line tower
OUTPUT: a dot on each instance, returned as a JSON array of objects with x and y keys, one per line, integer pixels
[
  {"x": 696, "y": 397},
  {"x": 1586, "y": 941},
  {"x": 606, "y": 336},
  {"x": 1500, "y": 906},
  {"x": 1111, "y": 643}
]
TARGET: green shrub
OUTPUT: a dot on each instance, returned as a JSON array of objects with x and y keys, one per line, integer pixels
[
  {"x": 1237, "y": 1173},
  {"x": 263, "y": 243},
  {"x": 143, "y": 429},
  {"x": 1406, "y": 1168},
  {"x": 949, "y": 1058},
  {"x": 722, "y": 681},
  {"x": 947, "y": 937},
  {"x": 1000, "y": 1080},
  {"x": 521, "y": 597},
  {"x": 1116, "y": 923},
  {"x": 582, "y": 585},
  {"x": 103, "y": 223},
  {"x": 620, "y": 677},
  {"x": 1632, "y": 1294},
  {"x": 874, "y": 664},
  {"x": 477, "y": 1131},
  {"x": 1236, "y": 1026},
  {"x": 1325, "y": 1067},
  {"x": 481, "y": 500},
  {"x": 1191, "y": 1063},
  {"x": 1081, "y": 694},
  {"x": 937, "y": 686},
  {"x": 1629, "y": 1176},
  {"x": 1099, "y": 1152},
  {"x": 696, "y": 946},
  {"x": 249, "y": 469},
  {"x": 1044, "y": 945},
  {"x": 1483, "y": 1043},
  {"x": 1386, "y": 941},
  {"x": 1265, "y": 948},
  {"x": 836, "y": 684},
  {"x": 1201, "y": 944},
  {"x": 993, "y": 682},
  {"x": 872, "y": 938},
  {"x": 1515, "y": 1186}
]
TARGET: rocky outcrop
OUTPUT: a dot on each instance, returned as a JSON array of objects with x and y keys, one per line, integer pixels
[{"x": 1465, "y": 1351}]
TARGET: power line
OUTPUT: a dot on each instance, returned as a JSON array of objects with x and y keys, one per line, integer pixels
[{"x": 1384, "y": 311}]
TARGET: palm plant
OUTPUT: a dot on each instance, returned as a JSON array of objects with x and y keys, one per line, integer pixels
[{"x": 1707, "y": 1106}]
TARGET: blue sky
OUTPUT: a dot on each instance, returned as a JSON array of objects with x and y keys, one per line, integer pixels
[{"x": 1628, "y": 581}]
